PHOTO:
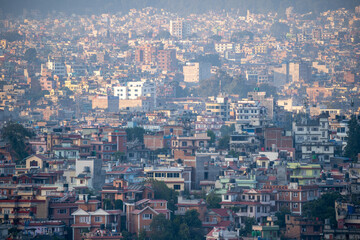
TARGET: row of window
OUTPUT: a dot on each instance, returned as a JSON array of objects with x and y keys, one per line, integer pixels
[
  {"x": 163, "y": 175},
  {"x": 86, "y": 219}
]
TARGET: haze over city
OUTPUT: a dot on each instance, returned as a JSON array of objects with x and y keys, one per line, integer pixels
[{"x": 159, "y": 119}]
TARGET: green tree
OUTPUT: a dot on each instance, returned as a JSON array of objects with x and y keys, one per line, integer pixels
[
  {"x": 119, "y": 156},
  {"x": 191, "y": 218},
  {"x": 224, "y": 142},
  {"x": 30, "y": 55},
  {"x": 162, "y": 191},
  {"x": 323, "y": 207},
  {"x": 163, "y": 35},
  {"x": 184, "y": 231},
  {"x": 135, "y": 133},
  {"x": 212, "y": 136},
  {"x": 213, "y": 200},
  {"x": 126, "y": 235},
  {"x": 227, "y": 130},
  {"x": 108, "y": 205},
  {"x": 281, "y": 216},
  {"x": 161, "y": 228},
  {"x": 11, "y": 36},
  {"x": 213, "y": 59},
  {"x": 216, "y": 38},
  {"x": 16, "y": 134},
  {"x": 249, "y": 222},
  {"x": 279, "y": 29},
  {"x": 352, "y": 148},
  {"x": 187, "y": 226},
  {"x": 118, "y": 204},
  {"x": 243, "y": 35},
  {"x": 142, "y": 235}
]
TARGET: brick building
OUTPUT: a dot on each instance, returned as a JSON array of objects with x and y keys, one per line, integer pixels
[
  {"x": 302, "y": 228},
  {"x": 294, "y": 196},
  {"x": 274, "y": 138},
  {"x": 89, "y": 217},
  {"x": 140, "y": 214}
]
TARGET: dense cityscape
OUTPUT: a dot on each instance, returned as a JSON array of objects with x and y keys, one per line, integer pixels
[{"x": 150, "y": 123}]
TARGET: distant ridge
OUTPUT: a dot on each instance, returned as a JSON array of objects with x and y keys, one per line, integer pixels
[{"x": 182, "y": 7}]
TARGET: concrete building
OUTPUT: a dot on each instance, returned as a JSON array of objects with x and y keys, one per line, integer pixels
[
  {"x": 299, "y": 71},
  {"x": 57, "y": 67},
  {"x": 135, "y": 90},
  {"x": 180, "y": 28},
  {"x": 221, "y": 47},
  {"x": 175, "y": 178},
  {"x": 89, "y": 173},
  {"x": 250, "y": 112},
  {"x": 146, "y": 54},
  {"x": 302, "y": 228},
  {"x": 195, "y": 72},
  {"x": 166, "y": 60},
  {"x": 293, "y": 196},
  {"x": 313, "y": 134},
  {"x": 218, "y": 106}
]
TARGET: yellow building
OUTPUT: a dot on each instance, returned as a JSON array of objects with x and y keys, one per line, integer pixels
[
  {"x": 35, "y": 161},
  {"x": 304, "y": 173},
  {"x": 172, "y": 177}
]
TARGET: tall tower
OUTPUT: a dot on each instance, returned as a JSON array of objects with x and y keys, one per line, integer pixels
[{"x": 180, "y": 28}]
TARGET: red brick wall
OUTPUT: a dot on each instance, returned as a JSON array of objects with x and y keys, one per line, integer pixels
[{"x": 154, "y": 142}]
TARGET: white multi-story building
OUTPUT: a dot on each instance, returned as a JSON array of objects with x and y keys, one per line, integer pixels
[
  {"x": 312, "y": 138},
  {"x": 57, "y": 68},
  {"x": 218, "y": 106},
  {"x": 135, "y": 90},
  {"x": 88, "y": 173},
  {"x": 221, "y": 47},
  {"x": 180, "y": 28},
  {"x": 195, "y": 72},
  {"x": 251, "y": 203},
  {"x": 250, "y": 112}
]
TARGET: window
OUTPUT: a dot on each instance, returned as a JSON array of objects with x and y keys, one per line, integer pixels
[
  {"x": 61, "y": 211},
  {"x": 98, "y": 219},
  {"x": 147, "y": 227},
  {"x": 295, "y": 194},
  {"x": 295, "y": 205},
  {"x": 147, "y": 216},
  {"x": 251, "y": 209},
  {"x": 84, "y": 219},
  {"x": 176, "y": 187},
  {"x": 303, "y": 228},
  {"x": 183, "y": 144},
  {"x": 6, "y": 211}
]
